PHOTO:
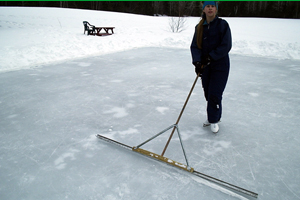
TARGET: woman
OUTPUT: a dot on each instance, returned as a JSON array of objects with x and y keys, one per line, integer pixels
[{"x": 210, "y": 47}]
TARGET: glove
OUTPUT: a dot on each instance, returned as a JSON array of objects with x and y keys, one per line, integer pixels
[
  {"x": 198, "y": 68},
  {"x": 206, "y": 60}
]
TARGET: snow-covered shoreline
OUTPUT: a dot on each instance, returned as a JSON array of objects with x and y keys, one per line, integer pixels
[{"x": 32, "y": 37}]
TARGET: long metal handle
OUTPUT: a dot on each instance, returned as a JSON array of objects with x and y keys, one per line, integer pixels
[{"x": 186, "y": 101}]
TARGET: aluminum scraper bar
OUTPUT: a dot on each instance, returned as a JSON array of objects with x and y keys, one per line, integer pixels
[{"x": 181, "y": 166}]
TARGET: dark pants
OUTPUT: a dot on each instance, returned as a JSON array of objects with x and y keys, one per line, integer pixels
[{"x": 213, "y": 83}]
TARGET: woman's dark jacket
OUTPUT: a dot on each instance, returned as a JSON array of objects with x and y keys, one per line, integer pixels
[{"x": 216, "y": 43}]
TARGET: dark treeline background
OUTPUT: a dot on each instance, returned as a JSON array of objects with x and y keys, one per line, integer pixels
[{"x": 274, "y": 9}]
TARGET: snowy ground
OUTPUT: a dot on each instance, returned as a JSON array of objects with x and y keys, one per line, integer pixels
[
  {"x": 59, "y": 88},
  {"x": 34, "y": 36}
]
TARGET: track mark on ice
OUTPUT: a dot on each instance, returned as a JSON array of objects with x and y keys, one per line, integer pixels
[
  {"x": 293, "y": 192},
  {"x": 251, "y": 171},
  {"x": 217, "y": 187}
]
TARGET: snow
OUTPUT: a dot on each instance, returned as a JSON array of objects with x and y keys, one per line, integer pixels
[
  {"x": 38, "y": 36},
  {"x": 59, "y": 88}
]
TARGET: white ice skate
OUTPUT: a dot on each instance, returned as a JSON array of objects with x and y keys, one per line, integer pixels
[
  {"x": 207, "y": 123},
  {"x": 214, "y": 127}
]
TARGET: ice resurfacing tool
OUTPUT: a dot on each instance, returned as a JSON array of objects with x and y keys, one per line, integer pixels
[{"x": 186, "y": 166}]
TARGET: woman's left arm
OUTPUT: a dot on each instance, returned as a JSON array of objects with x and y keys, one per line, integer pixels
[{"x": 226, "y": 43}]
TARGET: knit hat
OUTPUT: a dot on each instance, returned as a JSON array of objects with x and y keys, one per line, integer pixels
[{"x": 214, "y": 3}]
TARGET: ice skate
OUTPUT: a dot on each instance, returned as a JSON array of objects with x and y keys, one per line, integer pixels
[
  {"x": 206, "y": 123},
  {"x": 214, "y": 128}
]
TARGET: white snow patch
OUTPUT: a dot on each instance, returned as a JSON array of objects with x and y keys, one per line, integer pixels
[
  {"x": 253, "y": 94},
  {"x": 116, "y": 81},
  {"x": 58, "y": 36},
  {"x": 162, "y": 110},
  {"x": 129, "y": 131},
  {"x": 118, "y": 112},
  {"x": 60, "y": 161}
]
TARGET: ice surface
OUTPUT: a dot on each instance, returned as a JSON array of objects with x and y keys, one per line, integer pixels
[
  {"x": 130, "y": 86},
  {"x": 51, "y": 114}
]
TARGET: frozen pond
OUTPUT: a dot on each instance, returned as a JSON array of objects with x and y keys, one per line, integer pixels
[{"x": 49, "y": 117}]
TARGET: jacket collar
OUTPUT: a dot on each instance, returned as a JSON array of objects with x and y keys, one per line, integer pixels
[{"x": 205, "y": 22}]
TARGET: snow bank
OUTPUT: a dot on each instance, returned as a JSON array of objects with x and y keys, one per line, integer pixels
[{"x": 36, "y": 36}]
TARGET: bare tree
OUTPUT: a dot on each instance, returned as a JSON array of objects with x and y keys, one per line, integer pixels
[{"x": 177, "y": 24}]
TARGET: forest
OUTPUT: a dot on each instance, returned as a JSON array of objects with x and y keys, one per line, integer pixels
[{"x": 268, "y": 9}]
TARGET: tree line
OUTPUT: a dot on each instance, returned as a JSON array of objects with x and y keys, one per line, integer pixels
[{"x": 270, "y": 9}]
